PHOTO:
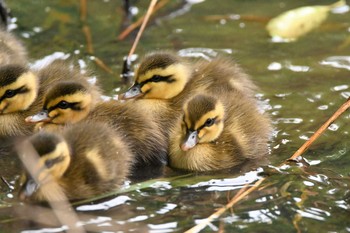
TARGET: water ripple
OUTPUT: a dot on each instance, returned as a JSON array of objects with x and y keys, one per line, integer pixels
[
  {"x": 342, "y": 62},
  {"x": 162, "y": 228},
  {"x": 289, "y": 120},
  {"x": 229, "y": 183},
  {"x": 105, "y": 205}
]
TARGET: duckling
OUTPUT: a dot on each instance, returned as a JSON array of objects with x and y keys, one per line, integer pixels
[
  {"x": 159, "y": 78},
  {"x": 22, "y": 90},
  {"x": 218, "y": 133},
  {"x": 18, "y": 86},
  {"x": 68, "y": 100},
  {"x": 85, "y": 160},
  {"x": 164, "y": 81},
  {"x": 140, "y": 130},
  {"x": 18, "y": 91}
]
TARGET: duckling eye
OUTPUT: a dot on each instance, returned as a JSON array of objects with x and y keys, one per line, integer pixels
[
  {"x": 10, "y": 93},
  {"x": 156, "y": 78},
  {"x": 209, "y": 122},
  {"x": 63, "y": 104}
]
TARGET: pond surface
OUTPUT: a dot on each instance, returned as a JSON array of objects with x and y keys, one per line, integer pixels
[{"x": 302, "y": 83}]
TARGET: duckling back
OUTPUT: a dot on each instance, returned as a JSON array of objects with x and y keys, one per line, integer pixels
[
  {"x": 86, "y": 160},
  {"x": 140, "y": 130},
  {"x": 219, "y": 76},
  {"x": 12, "y": 50}
]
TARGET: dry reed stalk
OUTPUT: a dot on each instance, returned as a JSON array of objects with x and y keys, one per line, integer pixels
[
  {"x": 240, "y": 195},
  {"x": 307, "y": 144},
  {"x": 88, "y": 38},
  {"x": 83, "y": 10},
  {"x": 142, "y": 28},
  {"x": 137, "y": 24},
  {"x": 102, "y": 65}
]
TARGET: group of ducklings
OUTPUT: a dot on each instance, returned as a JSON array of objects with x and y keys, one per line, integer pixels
[{"x": 197, "y": 116}]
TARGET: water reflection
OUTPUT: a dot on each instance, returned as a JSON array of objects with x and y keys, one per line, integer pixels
[
  {"x": 315, "y": 198},
  {"x": 229, "y": 183},
  {"x": 342, "y": 62},
  {"x": 105, "y": 205}
]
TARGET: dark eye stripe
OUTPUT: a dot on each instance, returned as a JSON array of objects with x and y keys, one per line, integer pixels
[
  {"x": 73, "y": 106},
  {"x": 158, "y": 78},
  {"x": 204, "y": 125},
  {"x": 19, "y": 90}
]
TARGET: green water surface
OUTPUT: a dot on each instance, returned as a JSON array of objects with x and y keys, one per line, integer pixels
[{"x": 301, "y": 83}]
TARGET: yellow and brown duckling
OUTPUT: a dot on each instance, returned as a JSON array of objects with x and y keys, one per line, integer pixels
[
  {"x": 165, "y": 80},
  {"x": 66, "y": 102},
  {"x": 215, "y": 134},
  {"x": 86, "y": 160},
  {"x": 159, "y": 78},
  {"x": 70, "y": 102},
  {"x": 22, "y": 90},
  {"x": 167, "y": 76},
  {"x": 19, "y": 89}
]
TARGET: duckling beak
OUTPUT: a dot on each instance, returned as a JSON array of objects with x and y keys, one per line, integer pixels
[
  {"x": 27, "y": 190},
  {"x": 190, "y": 140},
  {"x": 42, "y": 116},
  {"x": 133, "y": 92}
]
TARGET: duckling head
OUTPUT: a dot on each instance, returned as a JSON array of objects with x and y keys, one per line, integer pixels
[
  {"x": 160, "y": 76},
  {"x": 203, "y": 121},
  {"x": 65, "y": 102},
  {"x": 18, "y": 88},
  {"x": 54, "y": 160}
]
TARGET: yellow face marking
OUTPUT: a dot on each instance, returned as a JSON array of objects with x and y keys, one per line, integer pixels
[
  {"x": 68, "y": 115},
  {"x": 96, "y": 160},
  {"x": 165, "y": 90},
  {"x": 21, "y": 101},
  {"x": 208, "y": 134},
  {"x": 57, "y": 169}
]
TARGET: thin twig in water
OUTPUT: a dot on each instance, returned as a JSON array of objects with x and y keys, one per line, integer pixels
[
  {"x": 88, "y": 37},
  {"x": 142, "y": 28},
  {"x": 126, "y": 71},
  {"x": 307, "y": 144},
  {"x": 102, "y": 65},
  {"x": 83, "y": 10},
  {"x": 240, "y": 195},
  {"x": 135, "y": 25},
  {"x": 7, "y": 183}
]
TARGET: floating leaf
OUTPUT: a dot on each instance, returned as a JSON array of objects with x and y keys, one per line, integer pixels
[{"x": 292, "y": 24}]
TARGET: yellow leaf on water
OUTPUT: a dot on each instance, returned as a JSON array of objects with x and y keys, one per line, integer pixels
[{"x": 292, "y": 24}]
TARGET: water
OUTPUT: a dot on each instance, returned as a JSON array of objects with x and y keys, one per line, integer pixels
[{"x": 302, "y": 84}]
